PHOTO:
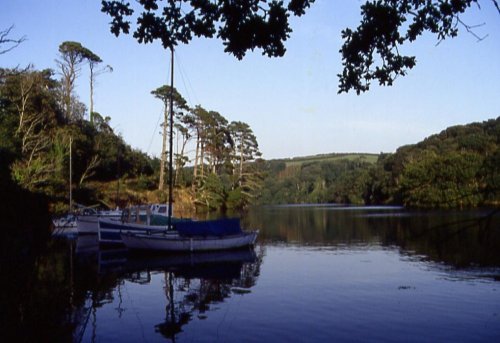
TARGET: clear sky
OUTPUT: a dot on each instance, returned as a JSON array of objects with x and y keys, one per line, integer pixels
[{"x": 291, "y": 103}]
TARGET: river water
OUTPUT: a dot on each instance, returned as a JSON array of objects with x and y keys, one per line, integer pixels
[{"x": 317, "y": 274}]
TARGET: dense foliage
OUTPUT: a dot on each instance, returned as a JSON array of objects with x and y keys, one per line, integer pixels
[
  {"x": 373, "y": 51},
  {"x": 242, "y": 25},
  {"x": 458, "y": 167},
  {"x": 37, "y": 133},
  {"x": 339, "y": 178},
  {"x": 222, "y": 176}
]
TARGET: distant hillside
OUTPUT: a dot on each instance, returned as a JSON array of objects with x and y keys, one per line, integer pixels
[
  {"x": 315, "y": 179},
  {"x": 459, "y": 167},
  {"x": 370, "y": 158}
]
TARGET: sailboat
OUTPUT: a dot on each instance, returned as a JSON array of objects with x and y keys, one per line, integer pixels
[
  {"x": 185, "y": 235},
  {"x": 80, "y": 219},
  {"x": 206, "y": 235},
  {"x": 135, "y": 219},
  {"x": 66, "y": 225}
]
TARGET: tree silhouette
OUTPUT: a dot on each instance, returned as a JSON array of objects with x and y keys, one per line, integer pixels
[{"x": 370, "y": 52}]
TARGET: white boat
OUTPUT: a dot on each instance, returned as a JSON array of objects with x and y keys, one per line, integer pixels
[
  {"x": 137, "y": 219},
  {"x": 67, "y": 221},
  {"x": 222, "y": 234},
  {"x": 87, "y": 222},
  {"x": 173, "y": 242},
  {"x": 64, "y": 226}
]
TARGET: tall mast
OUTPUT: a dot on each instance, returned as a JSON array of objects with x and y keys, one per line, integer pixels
[
  {"x": 170, "y": 149},
  {"x": 70, "y": 175}
]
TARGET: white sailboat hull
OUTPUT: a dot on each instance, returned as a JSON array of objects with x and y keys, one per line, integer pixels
[
  {"x": 89, "y": 224},
  {"x": 172, "y": 241}
]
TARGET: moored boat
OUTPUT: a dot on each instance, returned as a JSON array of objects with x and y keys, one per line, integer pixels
[
  {"x": 137, "y": 219},
  {"x": 109, "y": 229},
  {"x": 222, "y": 234},
  {"x": 87, "y": 221},
  {"x": 65, "y": 226},
  {"x": 65, "y": 222}
]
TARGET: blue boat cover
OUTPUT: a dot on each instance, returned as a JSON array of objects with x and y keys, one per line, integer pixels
[{"x": 219, "y": 227}]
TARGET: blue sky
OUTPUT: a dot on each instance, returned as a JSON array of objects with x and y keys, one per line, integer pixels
[{"x": 291, "y": 103}]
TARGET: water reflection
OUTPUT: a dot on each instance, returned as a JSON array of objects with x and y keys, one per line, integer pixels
[
  {"x": 457, "y": 238},
  {"x": 193, "y": 284},
  {"x": 315, "y": 268}
]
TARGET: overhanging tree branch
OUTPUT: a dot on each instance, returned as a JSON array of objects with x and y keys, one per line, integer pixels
[{"x": 369, "y": 53}]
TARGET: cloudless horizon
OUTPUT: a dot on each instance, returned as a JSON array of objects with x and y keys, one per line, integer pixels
[{"x": 291, "y": 103}]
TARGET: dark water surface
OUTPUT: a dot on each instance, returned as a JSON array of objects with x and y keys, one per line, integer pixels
[{"x": 318, "y": 274}]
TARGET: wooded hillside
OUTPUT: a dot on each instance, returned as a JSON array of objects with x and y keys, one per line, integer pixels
[{"x": 458, "y": 167}]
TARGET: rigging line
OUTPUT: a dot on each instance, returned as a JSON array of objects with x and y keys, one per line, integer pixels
[
  {"x": 162, "y": 113},
  {"x": 154, "y": 131},
  {"x": 182, "y": 74}
]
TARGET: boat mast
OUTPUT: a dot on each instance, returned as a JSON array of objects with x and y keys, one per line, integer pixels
[
  {"x": 70, "y": 175},
  {"x": 170, "y": 149}
]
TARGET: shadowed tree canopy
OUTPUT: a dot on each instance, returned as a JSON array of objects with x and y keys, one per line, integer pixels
[
  {"x": 370, "y": 52},
  {"x": 242, "y": 25}
]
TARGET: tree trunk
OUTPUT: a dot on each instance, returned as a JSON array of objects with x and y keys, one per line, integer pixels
[
  {"x": 195, "y": 170},
  {"x": 163, "y": 151},
  {"x": 202, "y": 157},
  {"x": 91, "y": 111},
  {"x": 181, "y": 156},
  {"x": 241, "y": 163}
]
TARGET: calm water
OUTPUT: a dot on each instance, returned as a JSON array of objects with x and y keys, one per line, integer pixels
[{"x": 318, "y": 273}]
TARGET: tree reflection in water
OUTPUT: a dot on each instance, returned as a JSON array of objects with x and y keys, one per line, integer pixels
[
  {"x": 194, "y": 282},
  {"x": 457, "y": 238}
]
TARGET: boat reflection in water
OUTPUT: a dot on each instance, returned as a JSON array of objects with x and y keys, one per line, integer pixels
[{"x": 188, "y": 285}]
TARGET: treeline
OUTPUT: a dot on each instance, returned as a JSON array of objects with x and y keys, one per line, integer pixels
[
  {"x": 338, "y": 179},
  {"x": 42, "y": 119},
  {"x": 224, "y": 173},
  {"x": 459, "y": 167},
  {"x": 38, "y": 133},
  {"x": 52, "y": 143}
]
